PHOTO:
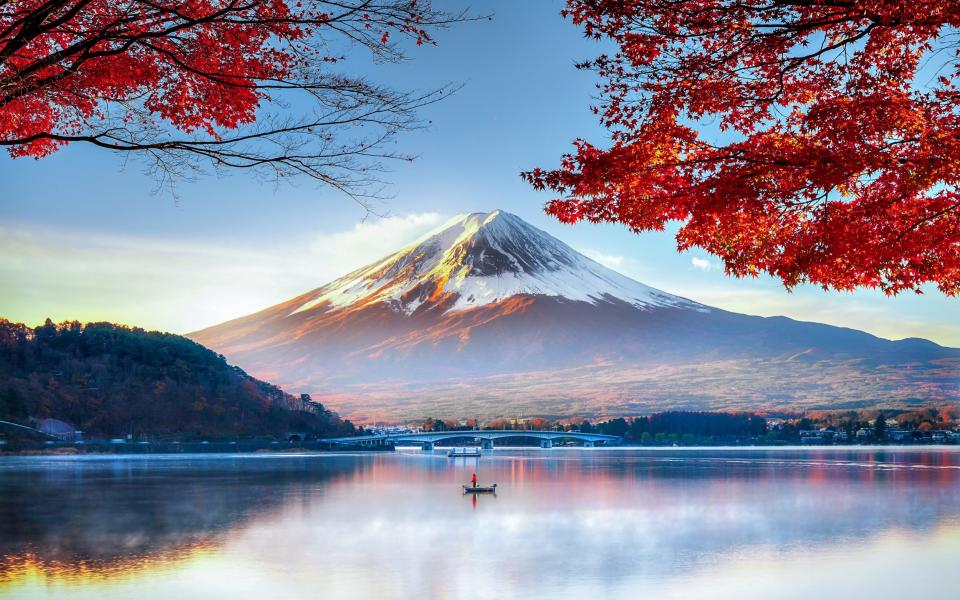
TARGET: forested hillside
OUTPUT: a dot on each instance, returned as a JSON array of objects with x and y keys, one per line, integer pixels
[{"x": 109, "y": 380}]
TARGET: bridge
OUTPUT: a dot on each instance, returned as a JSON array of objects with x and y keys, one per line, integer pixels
[{"x": 485, "y": 437}]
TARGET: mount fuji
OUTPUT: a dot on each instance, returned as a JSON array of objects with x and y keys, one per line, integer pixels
[{"x": 488, "y": 316}]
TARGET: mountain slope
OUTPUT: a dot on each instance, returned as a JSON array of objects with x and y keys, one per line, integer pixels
[
  {"x": 109, "y": 380},
  {"x": 488, "y": 307}
]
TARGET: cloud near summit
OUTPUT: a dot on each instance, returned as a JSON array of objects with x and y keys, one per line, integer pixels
[
  {"x": 176, "y": 285},
  {"x": 703, "y": 264}
]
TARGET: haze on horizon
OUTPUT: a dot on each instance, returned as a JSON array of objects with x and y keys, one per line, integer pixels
[{"x": 83, "y": 237}]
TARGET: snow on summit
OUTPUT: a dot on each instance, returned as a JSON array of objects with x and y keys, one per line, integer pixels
[{"x": 482, "y": 258}]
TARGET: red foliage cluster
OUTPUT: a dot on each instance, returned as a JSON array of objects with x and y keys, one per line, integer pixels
[
  {"x": 137, "y": 74},
  {"x": 815, "y": 141}
]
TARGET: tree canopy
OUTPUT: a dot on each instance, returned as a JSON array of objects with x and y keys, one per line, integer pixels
[
  {"x": 253, "y": 84},
  {"x": 814, "y": 141},
  {"x": 109, "y": 380}
]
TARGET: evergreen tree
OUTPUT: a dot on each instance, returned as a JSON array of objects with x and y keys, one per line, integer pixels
[{"x": 880, "y": 427}]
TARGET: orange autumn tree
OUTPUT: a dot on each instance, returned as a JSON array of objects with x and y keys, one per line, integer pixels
[
  {"x": 817, "y": 141},
  {"x": 246, "y": 84}
]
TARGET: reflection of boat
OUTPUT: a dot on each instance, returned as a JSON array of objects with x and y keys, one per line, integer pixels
[
  {"x": 480, "y": 489},
  {"x": 458, "y": 452}
]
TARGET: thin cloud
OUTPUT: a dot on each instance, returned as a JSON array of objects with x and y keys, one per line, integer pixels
[
  {"x": 703, "y": 264},
  {"x": 612, "y": 261},
  {"x": 367, "y": 241},
  {"x": 175, "y": 285},
  {"x": 181, "y": 286}
]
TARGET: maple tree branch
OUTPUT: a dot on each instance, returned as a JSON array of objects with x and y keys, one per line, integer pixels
[
  {"x": 916, "y": 224},
  {"x": 218, "y": 80}
]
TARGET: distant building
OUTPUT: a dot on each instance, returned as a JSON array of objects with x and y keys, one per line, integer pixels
[
  {"x": 392, "y": 430},
  {"x": 900, "y": 435},
  {"x": 817, "y": 436}
]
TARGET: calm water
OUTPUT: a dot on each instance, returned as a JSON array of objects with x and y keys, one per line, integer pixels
[{"x": 566, "y": 523}]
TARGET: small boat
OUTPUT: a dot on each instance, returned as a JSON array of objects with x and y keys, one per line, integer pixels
[
  {"x": 465, "y": 452},
  {"x": 480, "y": 489}
]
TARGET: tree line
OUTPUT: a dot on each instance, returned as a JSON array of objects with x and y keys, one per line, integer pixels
[
  {"x": 701, "y": 425},
  {"x": 706, "y": 427}
]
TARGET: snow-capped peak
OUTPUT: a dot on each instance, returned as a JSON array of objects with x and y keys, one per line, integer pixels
[{"x": 480, "y": 258}]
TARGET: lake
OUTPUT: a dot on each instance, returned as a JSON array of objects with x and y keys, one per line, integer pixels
[{"x": 566, "y": 523}]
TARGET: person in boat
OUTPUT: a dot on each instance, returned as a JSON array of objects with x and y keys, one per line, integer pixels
[{"x": 473, "y": 480}]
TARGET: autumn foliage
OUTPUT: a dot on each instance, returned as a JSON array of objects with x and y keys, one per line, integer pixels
[
  {"x": 815, "y": 141},
  {"x": 109, "y": 379},
  {"x": 235, "y": 83}
]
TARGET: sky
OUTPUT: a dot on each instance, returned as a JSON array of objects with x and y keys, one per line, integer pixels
[{"x": 86, "y": 235}]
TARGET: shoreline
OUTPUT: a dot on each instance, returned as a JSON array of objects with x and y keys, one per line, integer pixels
[{"x": 71, "y": 452}]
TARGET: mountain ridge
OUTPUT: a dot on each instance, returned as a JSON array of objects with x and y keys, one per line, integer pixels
[{"x": 486, "y": 298}]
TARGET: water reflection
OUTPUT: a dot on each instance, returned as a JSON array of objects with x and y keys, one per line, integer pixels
[
  {"x": 565, "y": 523},
  {"x": 104, "y": 510}
]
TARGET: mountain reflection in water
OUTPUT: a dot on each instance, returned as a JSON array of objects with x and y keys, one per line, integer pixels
[{"x": 565, "y": 523}]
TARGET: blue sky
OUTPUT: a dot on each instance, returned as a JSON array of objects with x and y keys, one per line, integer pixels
[{"x": 83, "y": 235}]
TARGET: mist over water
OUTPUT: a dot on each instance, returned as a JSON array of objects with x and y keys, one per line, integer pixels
[{"x": 565, "y": 523}]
